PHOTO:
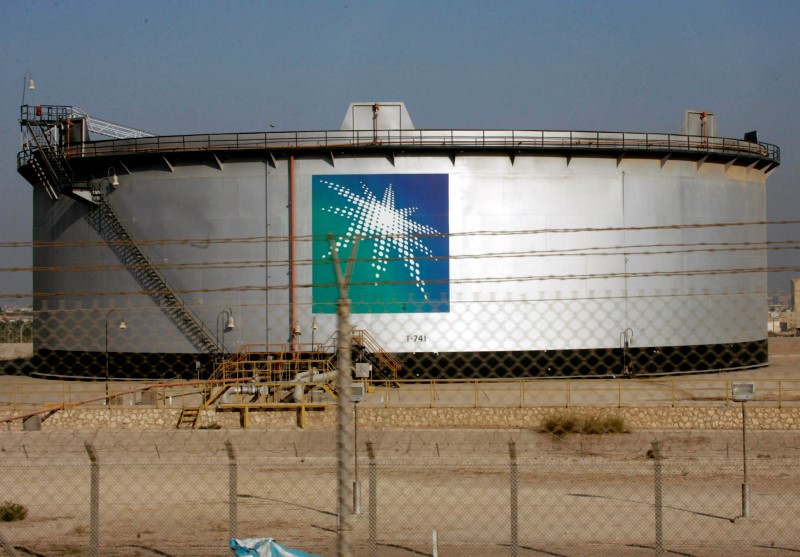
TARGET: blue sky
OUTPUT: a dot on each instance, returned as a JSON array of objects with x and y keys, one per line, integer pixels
[{"x": 198, "y": 67}]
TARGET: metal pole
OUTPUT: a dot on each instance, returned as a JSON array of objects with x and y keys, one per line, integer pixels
[
  {"x": 227, "y": 317},
  {"x": 233, "y": 497},
  {"x": 314, "y": 327},
  {"x": 106, "y": 353},
  {"x": 659, "y": 504},
  {"x": 512, "y": 452},
  {"x": 94, "y": 502},
  {"x": 745, "y": 485},
  {"x": 356, "y": 482},
  {"x": 218, "y": 335},
  {"x": 373, "y": 502},
  {"x": 27, "y": 84},
  {"x": 108, "y": 314}
]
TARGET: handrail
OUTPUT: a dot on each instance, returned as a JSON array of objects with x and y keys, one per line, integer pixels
[
  {"x": 129, "y": 243},
  {"x": 251, "y": 359},
  {"x": 387, "y": 360},
  {"x": 431, "y": 139},
  {"x": 290, "y": 355}
]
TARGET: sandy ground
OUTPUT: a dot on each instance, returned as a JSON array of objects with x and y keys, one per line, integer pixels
[{"x": 168, "y": 493}]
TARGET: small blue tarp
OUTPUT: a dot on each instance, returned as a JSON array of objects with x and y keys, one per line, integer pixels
[{"x": 264, "y": 547}]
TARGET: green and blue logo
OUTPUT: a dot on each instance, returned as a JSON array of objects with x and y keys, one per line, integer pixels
[{"x": 402, "y": 264}]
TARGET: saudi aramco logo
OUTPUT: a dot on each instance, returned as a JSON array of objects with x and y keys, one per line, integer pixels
[{"x": 402, "y": 265}]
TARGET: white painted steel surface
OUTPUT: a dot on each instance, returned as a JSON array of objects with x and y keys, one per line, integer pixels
[{"x": 542, "y": 301}]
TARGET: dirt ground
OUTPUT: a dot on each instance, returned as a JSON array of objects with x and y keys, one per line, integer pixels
[{"x": 168, "y": 493}]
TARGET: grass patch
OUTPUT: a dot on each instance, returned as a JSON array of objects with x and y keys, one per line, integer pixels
[
  {"x": 563, "y": 424},
  {"x": 10, "y": 511}
]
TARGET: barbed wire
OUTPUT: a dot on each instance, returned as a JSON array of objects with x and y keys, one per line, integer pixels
[
  {"x": 614, "y": 250},
  {"x": 452, "y": 281},
  {"x": 786, "y": 245},
  {"x": 538, "y": 297},
  {"x": 311, "y": 238}
]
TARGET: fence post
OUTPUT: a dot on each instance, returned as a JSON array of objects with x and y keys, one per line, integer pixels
[
  {"x": 94, "y": 502},
  {"x": 373, "y": 502},
  {"x": 344, "y": 427},
  {"x": 656, "y": 449},
  {"x": 233, "y": 490},
  {"x": 512, "y": 452}
]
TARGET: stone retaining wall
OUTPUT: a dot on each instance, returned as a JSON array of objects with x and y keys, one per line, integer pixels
[{"x": 636, "y": 418}]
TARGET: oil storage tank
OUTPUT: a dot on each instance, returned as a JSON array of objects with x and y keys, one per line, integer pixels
[{"x": 481, "y": 253}]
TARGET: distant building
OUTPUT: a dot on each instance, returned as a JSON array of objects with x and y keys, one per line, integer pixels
[{"x": 785, "y": 319}]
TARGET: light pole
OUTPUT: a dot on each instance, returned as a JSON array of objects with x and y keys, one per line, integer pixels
[
  {"x": 625, "y": 338},
  {"x": 742, "y": 392},
  {"x": 356, "y": 483},
  {"x": 314, "y": 327},
  {"x": 27, "y": 84},
  {"x": 122, "y": 326},
  {"x": 227, "y": 325}
]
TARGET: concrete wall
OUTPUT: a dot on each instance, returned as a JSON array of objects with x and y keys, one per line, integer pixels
[{"x": 642, "y": 418}]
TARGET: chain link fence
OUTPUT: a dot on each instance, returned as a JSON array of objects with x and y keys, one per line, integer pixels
[
  {"x": 492, "y": 338},
  {"x": 254, "y": 323},
  {"x": 465, "y": 493}
]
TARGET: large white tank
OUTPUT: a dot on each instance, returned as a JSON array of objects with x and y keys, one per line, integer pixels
[{"x": 482, "y": 252}]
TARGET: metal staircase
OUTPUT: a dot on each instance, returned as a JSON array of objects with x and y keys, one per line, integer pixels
[
  {"x": 105, "y": 220},
  {"x": 44, "y": 134},
  {"x": 43, "y": 130},
  {"x": 48, "y": 161},
  {"x": 367, "y": 348},
  {"x": 42, "y": 177},
  {"x": 188, "y": 418}
]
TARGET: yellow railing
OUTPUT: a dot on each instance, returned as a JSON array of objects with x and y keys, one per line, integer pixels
[
  {"x": 371, "y": 345},
  {"x": 271, "y": 362},
  {"x": 281, "y": 362}
]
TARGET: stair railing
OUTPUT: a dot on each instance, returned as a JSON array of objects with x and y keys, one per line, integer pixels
[{"x": 145, "y": 273}]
